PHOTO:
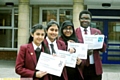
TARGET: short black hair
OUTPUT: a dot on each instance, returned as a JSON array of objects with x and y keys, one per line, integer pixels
[{"x": 85, "y": 12}]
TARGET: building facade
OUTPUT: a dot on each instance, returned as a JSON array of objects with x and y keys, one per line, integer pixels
[{"x": 18, "y": 16}]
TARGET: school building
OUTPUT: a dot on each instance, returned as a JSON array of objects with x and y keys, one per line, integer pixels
[{"x": 18, "y": 16}]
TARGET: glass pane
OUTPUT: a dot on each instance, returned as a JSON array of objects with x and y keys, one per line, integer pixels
[
  {"x": 48, "y": 15},
  {"x": 116, "y": 47},
  {"x": 65, "y": 14},
  {"x": 5, "y": 19},
  {"x": 15, "y": 38},
  {"x": 113, "y": 55},
  {"x": 6, "y": 38},
  {"x": 98, "y": 25},
  {"x": 16, "y": 18},
  {"x": 114, "y": 32}
]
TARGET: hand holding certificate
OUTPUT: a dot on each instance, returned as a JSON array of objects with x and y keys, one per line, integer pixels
[
  {"x": 70, "y": 59},
  {"x": 51, "y": 64},
  {"x": 81, "y": 49},
  {"x": 94, "y": 41}
]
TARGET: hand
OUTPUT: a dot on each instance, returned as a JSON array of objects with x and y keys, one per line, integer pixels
[
  {"x": 96, "y": 33},
  {"x": 90, "y": 52},
  {"x": 72, "y": 50},
  {"x": 78, "y": 61},
  {"x": 40, "y": 74},
  {"x": 71, "y": 41},
  {"x": 54, "y": 54}
]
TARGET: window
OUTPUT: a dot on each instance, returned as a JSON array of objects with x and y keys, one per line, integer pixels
[
  {"x": 65, "y": 14},
  {"x": 8, "y": 28},
  {"x": 5, "y": 19},
  {"x": 57, "y": 14},
  {"x": 48, "y": 15}
]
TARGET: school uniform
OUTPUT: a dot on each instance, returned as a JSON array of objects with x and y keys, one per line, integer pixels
[
  {"x": 26, "y": 62},
  {"x": 74, "y": 73},
  {"x": 58, "y": 45},
  {"x": 95, "y": 65}
]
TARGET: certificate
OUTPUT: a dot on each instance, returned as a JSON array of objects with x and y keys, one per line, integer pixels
[
  {"x": 94, "y": 41},
  {"x": 80, "y": 49},
  {"x": 70, "y": 58},
  {"x": 51, "y": 64}
]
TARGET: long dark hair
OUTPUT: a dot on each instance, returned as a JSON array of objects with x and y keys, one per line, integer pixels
[
  {"x": 73, "y": 36},
  {"x": 34, "y": 28},
  {"x": 52, "y": 22}
]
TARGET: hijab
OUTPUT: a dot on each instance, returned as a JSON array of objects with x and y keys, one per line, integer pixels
[{"x": 73, "y": 36}]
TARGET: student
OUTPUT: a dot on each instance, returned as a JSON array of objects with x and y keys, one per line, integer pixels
[
  {"x": 68, "y": 35},
  {"x": 29, "y": 53},
  {"x": 93, "y": 65},
  {"x": 52, "y": 31}
]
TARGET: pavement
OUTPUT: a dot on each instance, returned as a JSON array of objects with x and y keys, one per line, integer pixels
[{"x": 7, "y": 71}]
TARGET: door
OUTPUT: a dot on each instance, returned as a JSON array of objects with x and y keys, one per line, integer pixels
[{"x": 111, "y": 29}]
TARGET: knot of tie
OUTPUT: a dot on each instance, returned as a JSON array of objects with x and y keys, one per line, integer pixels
[
  {"x": 85, "y": 30},
  {"x": 52, "y": 48},
  {"x": 38, "y": 49}
]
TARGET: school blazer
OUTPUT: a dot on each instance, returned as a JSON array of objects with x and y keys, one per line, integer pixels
[
  {"x": 26, "y": 62},
  {"x": 61, "y": 46},
  {"x": 79, "y": 67},
  {"x": 97, "y": 60}
]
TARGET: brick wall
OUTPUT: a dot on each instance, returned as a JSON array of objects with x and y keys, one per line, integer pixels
[{"x": 8, "y": 55}]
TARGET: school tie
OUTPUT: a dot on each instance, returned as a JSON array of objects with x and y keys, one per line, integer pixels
[
  {"x": 87, "y": 61},
  {"x": 38, "y": 51},
  {"x": 85, "y": 31},
  {"x": 52, "y": 47}
]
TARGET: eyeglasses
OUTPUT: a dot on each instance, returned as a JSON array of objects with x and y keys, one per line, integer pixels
[
  {"x": 85, "y": 19},
  {"x": 70, "y": 29}
]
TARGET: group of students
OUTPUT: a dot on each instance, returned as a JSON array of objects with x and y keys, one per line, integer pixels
[{"x": 40, "y": 41}]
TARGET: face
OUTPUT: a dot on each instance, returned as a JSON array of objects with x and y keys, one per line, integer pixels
[
  {"x": 68, "y": 31},
  {"x": 85, "y": 20},
  {"x": 52, "y": 32},
  {"x": 38, "y": 36}
]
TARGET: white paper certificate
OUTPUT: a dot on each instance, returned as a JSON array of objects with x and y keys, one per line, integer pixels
[
  {"x": 70, "y": 59},
  {"x": 52, "y": 64},
  {"x": 94, "y": 41},
  {"x": 81, "y": 49}
]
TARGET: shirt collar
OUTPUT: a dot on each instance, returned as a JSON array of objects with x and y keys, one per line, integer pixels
[
  {"x": 35, "y": 46},
  {"x": 49, "y": 42},
  {"x": 88, "y": 28}
]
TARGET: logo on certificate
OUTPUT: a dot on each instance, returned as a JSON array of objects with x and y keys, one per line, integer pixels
[
  {"x": 60, "y": 64},
  {"x": 100, "y": 39}
]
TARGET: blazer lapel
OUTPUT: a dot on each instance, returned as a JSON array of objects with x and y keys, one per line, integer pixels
[
  {"x": 79, "y": 33},
  {"x": 92, "y": 31},
  {"x": 32, "y": 53}
]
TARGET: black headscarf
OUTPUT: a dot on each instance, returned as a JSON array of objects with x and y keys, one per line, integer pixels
[{"x": 73, "y": 36}]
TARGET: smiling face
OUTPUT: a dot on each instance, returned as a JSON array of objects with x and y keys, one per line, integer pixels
[
  {"x": 52, "y": 32},
  {"x": 38, "y": 36},
  {"x": 85, "y": 20},
  {"x": 68, "y": 31}
]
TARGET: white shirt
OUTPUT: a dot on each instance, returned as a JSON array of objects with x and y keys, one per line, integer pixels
[
  {"x": 54, "y": 43},
  {"x": 91, "y": 58},
  {"x": 35, "y": 46}
]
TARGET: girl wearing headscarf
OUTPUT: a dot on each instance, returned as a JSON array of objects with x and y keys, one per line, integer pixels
[{"x": 68, "y": 35}]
